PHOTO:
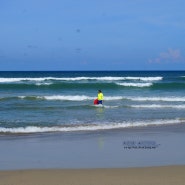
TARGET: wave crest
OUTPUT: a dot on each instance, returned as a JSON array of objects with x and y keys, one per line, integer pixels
[
  {"x": 35, "y": 129},
  {"x": 107, "y": 98},
  {"x": 159, "y": 106},
  {"x": 107, "y": 78},
  {"x": 135, "y": 84}
]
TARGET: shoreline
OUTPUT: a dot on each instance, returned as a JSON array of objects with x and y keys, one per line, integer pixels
[
  {"x": 161, "y": 175},
  {"x": 141, "y": 147}
]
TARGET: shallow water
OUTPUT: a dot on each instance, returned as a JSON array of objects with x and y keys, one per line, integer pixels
[{"x": 33, "y": 102}]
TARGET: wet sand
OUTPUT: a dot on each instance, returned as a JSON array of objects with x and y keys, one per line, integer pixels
[
  {"x": 135, "y": 147},
  {"x": 168, "y": 175},
  {"x": 143, "y": 156}
]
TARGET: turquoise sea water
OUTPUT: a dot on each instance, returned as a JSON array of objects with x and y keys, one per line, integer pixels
[{"x": 33, "y": 102}]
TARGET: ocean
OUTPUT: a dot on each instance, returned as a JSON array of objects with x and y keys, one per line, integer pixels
[{"x": 62, "y": 101}]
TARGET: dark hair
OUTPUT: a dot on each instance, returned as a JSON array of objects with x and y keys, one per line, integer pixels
[{"x": 99, "y": 90}]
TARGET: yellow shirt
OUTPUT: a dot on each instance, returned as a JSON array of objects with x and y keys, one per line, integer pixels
[{"x": 100, "y": 96}]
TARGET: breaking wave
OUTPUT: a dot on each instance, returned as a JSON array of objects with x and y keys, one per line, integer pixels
[
  {"x": 167, "y": 99},
  {"x": 108, "y": 78},
  {"x": 107, "y": 98},
  {"x": 159, "y": 106},
  {"x": 70, "y": 97},
  {"x": 135, "y": 84},
  {"x": 94, "y": 127}
]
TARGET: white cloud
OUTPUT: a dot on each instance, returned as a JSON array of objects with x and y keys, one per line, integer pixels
[{"x": 171, "y": 55}]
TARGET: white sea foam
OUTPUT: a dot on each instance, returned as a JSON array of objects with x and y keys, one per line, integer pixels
[
  {"x": 105, "y": 106},
  {"x": 78, "y": 97},
  {"x": 25, "y": 79},
  {"x": 145, "y": 78},
  {"x": 60, "y": 97},
  {"x": 167, "y": 99},
  {"x": 135, "y": 84},
  {"x": 159, "y": 106},
  {"x": 108, "y": 78},
  {"x": 72, "y": 97},
  {"x": 34, "y": 129},
  {"x": 106, "y": 98},
  {"x": 69, "y": 98},
  {"x": 45, "y": 83}
]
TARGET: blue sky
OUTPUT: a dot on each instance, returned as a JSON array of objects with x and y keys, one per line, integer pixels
[{"x": 92, "y": 35}]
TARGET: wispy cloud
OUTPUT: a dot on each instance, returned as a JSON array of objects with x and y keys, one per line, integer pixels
[{"x": 171, "y": 55}]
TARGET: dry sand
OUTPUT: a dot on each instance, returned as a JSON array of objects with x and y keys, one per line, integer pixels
[{"x": 169, "y": 175}]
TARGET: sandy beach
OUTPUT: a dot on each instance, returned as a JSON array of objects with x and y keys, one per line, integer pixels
[
  {"x": 98, "y": 158},
  {"x": 141, "y": 147},
  {"x": 169, "y": 175}
]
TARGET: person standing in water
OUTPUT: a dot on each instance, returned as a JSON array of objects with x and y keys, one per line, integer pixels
[{"x": 100, "y": 97}]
